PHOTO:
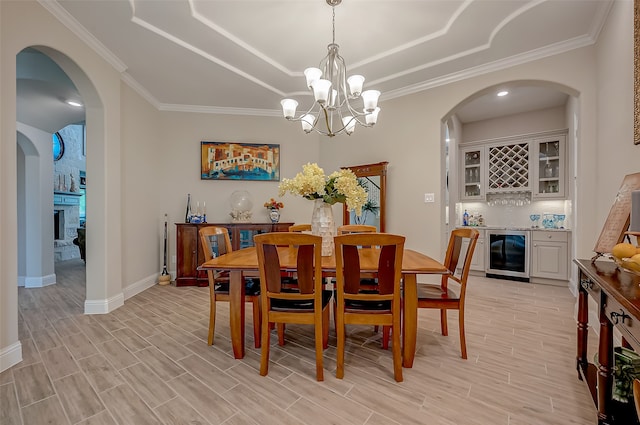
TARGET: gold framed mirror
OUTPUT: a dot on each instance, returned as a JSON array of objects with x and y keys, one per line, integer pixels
[{"x": 373, "y": 177}]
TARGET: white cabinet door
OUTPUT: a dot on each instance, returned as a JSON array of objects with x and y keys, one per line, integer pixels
[
  {"x": 472, "y": 174},
  {"x": 549, "y": 175},
  {"x": 550, "y": 255},
  {"x": 477, "y": 261}
]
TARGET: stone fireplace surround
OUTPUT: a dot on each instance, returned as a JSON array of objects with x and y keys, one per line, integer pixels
[{"x": 66, "y": 207}]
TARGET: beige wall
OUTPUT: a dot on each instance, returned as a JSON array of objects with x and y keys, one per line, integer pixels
[
  {"x": 143, "y": 162},
  {"x": 516, "y": 124}
]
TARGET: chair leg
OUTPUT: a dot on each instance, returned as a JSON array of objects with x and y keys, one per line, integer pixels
[
  {"x": 397, "y": 354},
  {"x": 212, "y": 318},
  {"x": 385, "y": 337},
  {"x": 443, "y": 322},
  {"x": 325, "y": 328},
  {"x": 319, "y": 341},
  {"x": 340, "y": 335},
  {"x": 264, "y": 346},
  {"x": 256, "y": 321},
  {"x": 280, "y": 333},
  {"x": 463, "y": 342}
]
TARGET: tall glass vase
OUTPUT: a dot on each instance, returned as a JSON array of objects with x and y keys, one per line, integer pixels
[{"x": 322, "y": 224}]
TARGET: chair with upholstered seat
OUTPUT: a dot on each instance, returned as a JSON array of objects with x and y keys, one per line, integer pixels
[
  {"x": 355, "y": 305},
  {"x": 307, "y": 303},
  {"x": 215, "y": 242},
  {"x": 346, "y": 229},
  {"x": 300, "y": 228},
  {"x": 443, "y": 297}
]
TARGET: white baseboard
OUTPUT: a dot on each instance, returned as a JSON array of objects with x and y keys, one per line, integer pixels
[
  {"x": 139, "y": 286},
  {"x": 37, "y": 282},
  {"x": 103, "y": 306},
  {"x": 10, "y": 356}
]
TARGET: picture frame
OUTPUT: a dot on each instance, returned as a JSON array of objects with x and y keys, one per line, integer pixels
[{"x": 239, "y": 161}]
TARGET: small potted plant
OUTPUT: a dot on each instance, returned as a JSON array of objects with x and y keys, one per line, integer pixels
[{"x": 274, "y": 209}]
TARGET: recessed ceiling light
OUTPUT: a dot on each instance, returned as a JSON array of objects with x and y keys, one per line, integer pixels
[
  {"x": 74, "y": 103},
  {"x": 502, "y": 93}
]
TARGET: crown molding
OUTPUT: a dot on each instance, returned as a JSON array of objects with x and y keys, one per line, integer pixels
[
  {"x": 81, "y": 32},
  {"x": 138, "y": 88},
  {"x": 220, "y": 110}
]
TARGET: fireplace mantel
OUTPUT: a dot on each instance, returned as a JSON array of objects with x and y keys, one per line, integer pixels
[{"x": 66, "y": 198}]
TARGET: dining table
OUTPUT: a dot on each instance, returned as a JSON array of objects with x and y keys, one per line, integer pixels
[{"x": 245, "y": 262}]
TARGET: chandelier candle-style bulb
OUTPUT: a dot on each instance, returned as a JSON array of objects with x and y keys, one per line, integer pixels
[
  {"x": 349, "y": 124},
  {"x": 321, "y": 90},
  {"x": 307, "y": 121},
  {"x": 372, "y": 118},
  {"x": 312, "y": 75},
  {"x": 289, "y": 108},
  {"x": 370, "y": 99},
  {"x": 355, "y": 84}
]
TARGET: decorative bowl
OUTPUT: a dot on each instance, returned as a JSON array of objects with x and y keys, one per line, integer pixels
[{"x": 627, "y": 265}]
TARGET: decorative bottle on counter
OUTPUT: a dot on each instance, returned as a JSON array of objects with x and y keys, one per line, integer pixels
[
  {"x": 465, "y": 218},
  {"x": 187, "y": 216}
]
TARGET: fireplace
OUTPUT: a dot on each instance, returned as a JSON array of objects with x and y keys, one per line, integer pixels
[{"x": 58, "y": 224}]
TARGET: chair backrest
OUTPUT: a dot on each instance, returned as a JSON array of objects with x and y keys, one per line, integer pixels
[
  {"x": 300, "y": 228},
  {"x": 215, "y": 241},
  {"x": 636, "y": 395},
  {"x": 304, "y": 248},
  {"x": 386, "y": 248},
  {"x": 356, "y": 228},
  {"x": 453, "y": 256}
]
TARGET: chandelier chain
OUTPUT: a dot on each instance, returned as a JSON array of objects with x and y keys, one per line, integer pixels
[{"x": 334, "y": 24}]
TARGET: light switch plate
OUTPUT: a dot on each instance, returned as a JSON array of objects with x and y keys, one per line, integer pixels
[{"x": 429, "y": 197}]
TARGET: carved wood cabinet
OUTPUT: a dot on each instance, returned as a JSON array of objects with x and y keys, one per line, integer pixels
[{"x": 189, "y": 253}]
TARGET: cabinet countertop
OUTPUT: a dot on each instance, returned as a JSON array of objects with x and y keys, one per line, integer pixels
[{"x": 538, "y": 229}]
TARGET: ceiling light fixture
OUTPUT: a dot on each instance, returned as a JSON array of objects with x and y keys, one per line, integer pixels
[
  {"x": 74, "y": 103},
  {"x": 502, "y": 93},
  {"x": 329, "y": 86}
]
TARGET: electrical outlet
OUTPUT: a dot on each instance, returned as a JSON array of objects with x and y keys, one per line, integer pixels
[{"x": 429, "y": 197}]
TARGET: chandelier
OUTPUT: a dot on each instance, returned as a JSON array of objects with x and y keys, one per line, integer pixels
[{"x": 333, "y": 103}]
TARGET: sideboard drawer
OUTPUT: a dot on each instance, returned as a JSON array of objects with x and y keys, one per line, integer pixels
[
  {"x": 621, "y": 319},
  {"x": 592, "y": 289}
]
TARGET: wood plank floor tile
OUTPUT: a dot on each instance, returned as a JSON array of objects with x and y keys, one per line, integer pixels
[
  {"x": 258, "y": 408},
  {"x": 312, "y": 414},
  {"x": 9, "y": 408},
  {"x": 79, "y": 400},
  {"x": 32, "y": 384},
  {"x": 79, "y": 346},
  {"x": 59, "y": 362},
  {"x": 127, "y": 407},
  {"x": 265, "y": 386},
  {"x": 210, "y": 375},
  {"x": 48, "y": 411},
  {"x": 65, "y": 327},
  {"x": 169, "y": 346},
  {"x": 117, "y": 354},
  {"x": 160, "y": 364},
  {"x": 100, "y": 373},
  {"x": 178, "y": 412},
  {"x": 148, "y": 385},
  {"x": 204, "y": 400},
  {"x": 131, "y": 340},
  {"x": 102, "y": 418}
]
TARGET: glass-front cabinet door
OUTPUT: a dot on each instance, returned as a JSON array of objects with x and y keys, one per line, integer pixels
[
  {"x": 549, "y": 168},
  {"x": 472, "y": 173}
]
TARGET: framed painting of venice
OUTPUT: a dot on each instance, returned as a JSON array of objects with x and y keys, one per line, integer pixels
[{"x": 239, "y": 161}]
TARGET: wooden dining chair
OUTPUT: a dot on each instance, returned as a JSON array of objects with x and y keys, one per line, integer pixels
[
  {"x": 442, "y": 296},
  {"x": 215, "y": 242},
  {"x": 355, "y": 305},
  {"x": 346, "y": 229},
  {"x": 307, "y": 303},
  {"x": 636, "y": 395},
  {"x": 300, "y": 228}
]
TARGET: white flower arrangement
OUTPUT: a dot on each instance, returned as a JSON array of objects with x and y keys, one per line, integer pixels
[{"x": 340, "y": 186}]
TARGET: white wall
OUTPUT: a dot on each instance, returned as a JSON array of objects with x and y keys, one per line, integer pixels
[
  {"x": 615, "y": 152},
  {"x": 516, "y": 124}
]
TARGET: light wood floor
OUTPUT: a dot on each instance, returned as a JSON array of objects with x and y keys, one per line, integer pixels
[{"x": 148, "y": 363}]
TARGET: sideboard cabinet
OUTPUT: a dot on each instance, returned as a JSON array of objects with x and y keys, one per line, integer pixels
[{"x": 189, "y": 255}]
